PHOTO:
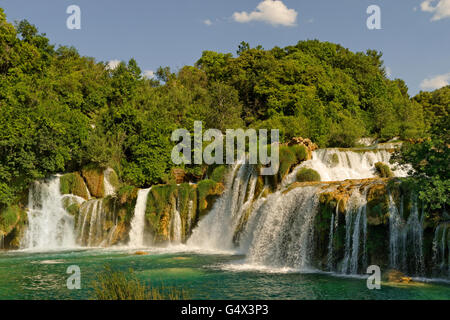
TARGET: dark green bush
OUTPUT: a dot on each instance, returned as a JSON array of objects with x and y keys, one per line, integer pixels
[
  {"x": 307, "y": 174},
  {"x": 383, "y": 170}
]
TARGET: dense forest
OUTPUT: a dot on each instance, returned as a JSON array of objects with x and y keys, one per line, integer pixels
[{"x": 60, "y": 111}]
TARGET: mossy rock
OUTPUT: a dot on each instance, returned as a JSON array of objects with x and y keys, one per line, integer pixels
[
  {"x": 219, "y": 172},
  {"x": 113, "y": 178},
  {"x": 208, "y": 192},
  {"x": 177, "y": 175},
  {"x": 377, "y": 205},
  {"x": 334, "y": 160},
  {"x": 187, "y": 202},
  {"x": 307, "y": 174},
  {"x": 73, "y": 183},
  {"x": 288, "y": 159},
  {"x": 95, "y": 180},
  {"x": 383, "y": 170},
  {"x": 12, "y": 222},
  {"x": 160, "y": 202},
  {"x": 301, "y": 152},
  {"x": 127, "y": 194},
  {"x": 9, "y": 218}
]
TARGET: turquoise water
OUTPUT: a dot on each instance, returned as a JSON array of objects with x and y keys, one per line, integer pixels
[{"x": 25, "y": 275}]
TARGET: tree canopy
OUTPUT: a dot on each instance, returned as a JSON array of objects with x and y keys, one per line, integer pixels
[{"x": 60, "y": 111}]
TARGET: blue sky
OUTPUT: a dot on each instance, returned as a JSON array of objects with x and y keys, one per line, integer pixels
[{"x": 415, "y": 34}]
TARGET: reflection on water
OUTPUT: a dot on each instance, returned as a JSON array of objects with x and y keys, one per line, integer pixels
[{"x": 27, "y": 275}]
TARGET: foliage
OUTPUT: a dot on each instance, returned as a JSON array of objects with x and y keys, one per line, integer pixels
[
  {"x": 307, "y": 174},
  {"x": 383, "y": 170},
  {"x": 61, "y": 111},
  {"x": 118, "y": 285},
  {"x": 430, "y": 158}
]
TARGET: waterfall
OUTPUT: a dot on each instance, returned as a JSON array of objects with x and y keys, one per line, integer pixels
[
  {"x": 355, "y": 225},
  {"x": 441, "y": 242},
  {"x": 283, "y": 233},
  {"x": 190, "y": 214},
  {"x": 334, "y": 164},
  {"x": 49, "y": 225},
  {"x": 406, "y": 239},
  {"x": 175, "y": 227},
  {"x": 138, "y": 221},
  {"x": 109, "y": 189},
  {"x": 216, "y": 230},
  {"x": 95, "y": 225},
  {"x": 334, "y": 223},
  {"x": 359, "y": 227}
]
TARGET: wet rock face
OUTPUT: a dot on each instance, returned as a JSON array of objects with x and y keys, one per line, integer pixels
[
  {"x": 94, "y": 178},
  {"x": 73, "y": 183}
]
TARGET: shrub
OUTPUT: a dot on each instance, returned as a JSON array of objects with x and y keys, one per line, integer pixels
[
  {"x": 307, "y": 174},
  {"x": 287, "y": 160},
  {"x": 300, "y": 151},
  {"x": 218, "y": 173},
  {"x": 383, "y": 170},
  {"x": 119, "y": 285}
]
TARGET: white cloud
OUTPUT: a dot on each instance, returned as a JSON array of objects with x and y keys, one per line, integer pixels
[
  {"x": 436, "y": 82},
  {"x": 388, "y": 72},
  {"x": 273, "y": 12},
  {"x": 149, "y": 74},
  {"x": 112, "y": 64},
  {"x": 441, "y": 10},
  {"x": 208, "y": 22}
]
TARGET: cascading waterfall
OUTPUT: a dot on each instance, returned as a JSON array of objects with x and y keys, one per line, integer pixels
[
  {"x": 355, "y": 226},
  {"x": 175, "y": 227},
  {"x": 216, "y": 230},
  {"x": 283, "y": 233},
  {"x": 138, "y": 221},
  {"x": 335, "y": 164},
  {"x": 109, "y": 189},
  {"x": 441, "y": 249},
  {"x": 49, "y": 225},
  {"x": 334, "y": 223},
  {"x": 92, "y": 224},
  {"x": 406, "y": 239},
  {"x": 359, "y": 226}
]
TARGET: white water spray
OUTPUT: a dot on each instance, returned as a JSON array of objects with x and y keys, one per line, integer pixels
[
  {"x": 138, "y": 221},
  {"x": 49, "y": 225}
]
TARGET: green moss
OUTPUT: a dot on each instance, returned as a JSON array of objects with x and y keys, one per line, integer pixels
[
  {"x": 9, "y": 217},
  {"x": 287, "y": 160},
  {"x": 383, "y": 170},
  {"x": 187, "y": 200},
  {"x": 218, "y": 173},
  {"x": 307, "y": 174},
  {"x": 73, "y": 209},
  {"x": 12, "y": 221},
  {"x": 377, "y": 205},
  {"x": 300, "y": 151},
  {"x": 159, "y": 206},
  {"x": 113, "y": 179},
  {"x": 73, "y": 183},
  {"x": 208, "y": 191}
]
